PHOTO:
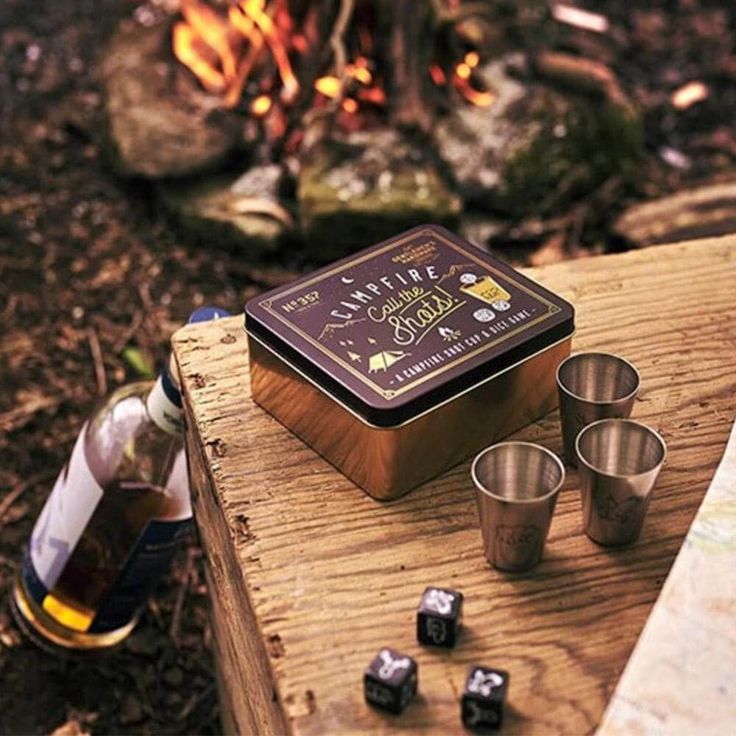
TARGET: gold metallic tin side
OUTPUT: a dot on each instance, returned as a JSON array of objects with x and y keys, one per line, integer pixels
[{"x": 388, "y": 462}]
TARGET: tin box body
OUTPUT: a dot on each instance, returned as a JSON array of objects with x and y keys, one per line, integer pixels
[{"x": 405, "y": 359}]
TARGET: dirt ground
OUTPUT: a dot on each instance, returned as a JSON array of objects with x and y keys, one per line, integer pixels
[
  {"x": 93, "y": 281},
  {"x": 87, "y": 266}
]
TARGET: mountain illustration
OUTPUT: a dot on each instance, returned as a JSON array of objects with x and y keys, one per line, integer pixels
[
  {"x": 453, "y": 270},
  {"x": 329, "y": 329}
]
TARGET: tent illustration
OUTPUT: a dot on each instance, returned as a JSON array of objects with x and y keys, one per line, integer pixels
[{"x": 385, "y": 359}]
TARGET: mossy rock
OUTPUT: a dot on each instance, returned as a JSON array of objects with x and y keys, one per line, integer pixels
[
  {"x": 358, "y": 191},
  {"x": 574, "y": 152},
  {"x": 535, "y": 148}
]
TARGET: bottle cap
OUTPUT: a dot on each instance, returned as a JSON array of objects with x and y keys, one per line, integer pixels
[{"x": 206, "y": 314}]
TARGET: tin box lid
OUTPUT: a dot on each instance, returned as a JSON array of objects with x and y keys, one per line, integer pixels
[{"x": 402, "y": 326}]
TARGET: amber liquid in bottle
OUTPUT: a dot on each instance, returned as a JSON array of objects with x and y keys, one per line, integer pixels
[{"x": 110, "y": 525}]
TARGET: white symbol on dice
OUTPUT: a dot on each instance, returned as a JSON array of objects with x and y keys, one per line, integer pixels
[
  {"x": 484, "y": 315},
  {"x": 501, "y": 304},
  {"x": 468, "y": 278},
  {"x": 440, "y": 601},
  {"x": 484, "y": 683},
  {"x": 390, "y": 665}
]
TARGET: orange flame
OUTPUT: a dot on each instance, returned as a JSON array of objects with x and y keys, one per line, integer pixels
[
  {"x": 212, "y": 46},
  {"x": 255, "y": 10},
  {"x": 187, "y": 51}
]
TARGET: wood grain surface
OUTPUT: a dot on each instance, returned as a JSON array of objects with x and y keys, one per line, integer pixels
[
  {"x": 681, "y": 678},
  {"x": 310, "y": 577}
]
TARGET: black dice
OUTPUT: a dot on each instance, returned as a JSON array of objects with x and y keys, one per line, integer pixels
[
  {"x": 483, "y": 698},
  {"x": 391, "y": 680},
  {"x": 439, "y": 616}
]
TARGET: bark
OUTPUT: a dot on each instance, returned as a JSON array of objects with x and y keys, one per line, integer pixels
[{"x": 409, "y": 27}]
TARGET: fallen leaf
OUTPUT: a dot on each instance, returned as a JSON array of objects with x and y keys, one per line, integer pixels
[{"x": 138, "y": 362}]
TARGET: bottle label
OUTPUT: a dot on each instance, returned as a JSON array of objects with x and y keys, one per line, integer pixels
[
  {"x": 164, "y": 405},
  {"x": 65, "y": 515},
  {"x": 148, "y": 561}
]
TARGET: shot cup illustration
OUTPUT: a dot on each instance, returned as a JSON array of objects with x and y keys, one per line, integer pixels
[{"x": 484, "y": 288}]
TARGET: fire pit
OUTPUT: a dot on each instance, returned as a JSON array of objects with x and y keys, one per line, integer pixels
[{"x": 337, "y": 123}]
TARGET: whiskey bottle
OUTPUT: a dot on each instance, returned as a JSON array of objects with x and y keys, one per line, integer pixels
[{"x": 111, "y": 524}]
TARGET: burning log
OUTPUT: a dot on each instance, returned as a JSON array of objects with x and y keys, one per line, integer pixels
[{"x": 410, "y": 24}]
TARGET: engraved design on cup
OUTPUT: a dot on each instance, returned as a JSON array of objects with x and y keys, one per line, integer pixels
[
  {"x": 593, "y": 386},
  {"x": 516, "y": 491},
  {"x": 618, "y": 464},
  {"x": 520, "y": 539}
]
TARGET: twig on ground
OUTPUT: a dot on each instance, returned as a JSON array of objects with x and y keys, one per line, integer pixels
[
  {"x": 7, "y": 562},
  {"x": 10, "y": 498},
  {"x": 94, "y": 347},
  {"x": 124, "y": 339},
  {"x": 15, "y": 418},
  {"x": 194, "y": 701},
  {"x": 181, "y": 597}
]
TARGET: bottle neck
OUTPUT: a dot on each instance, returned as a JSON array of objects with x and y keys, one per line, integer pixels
[{"x": 164, "y": 403}]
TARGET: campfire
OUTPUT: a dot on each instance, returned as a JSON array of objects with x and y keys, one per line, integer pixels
[
  {"x": 281, "y": 58},
  {"x": 324, "y": 125}
]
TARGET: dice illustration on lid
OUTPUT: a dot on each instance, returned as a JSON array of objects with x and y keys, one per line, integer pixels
[
  {"x": 390, "y": 681},
  {"x": 439, "y": 617},
  {"x": 483, "y": 698}
]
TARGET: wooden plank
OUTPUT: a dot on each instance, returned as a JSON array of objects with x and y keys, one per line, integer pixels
[
  {"x": 311, "y": 576},
  {"x": 681, "y": 678}
]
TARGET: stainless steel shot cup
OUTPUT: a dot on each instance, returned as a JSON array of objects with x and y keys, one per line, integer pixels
[
  {"x": 593, "y": 386},
  {"x": 516, "y": 490},
  {"x": 618, "y": 464}
]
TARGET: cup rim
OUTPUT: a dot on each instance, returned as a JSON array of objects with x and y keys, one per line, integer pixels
[
  {"x": 598, "y": 402},
  {"x": 481, "y": 488},
  {"x": 598, "y": 470}
]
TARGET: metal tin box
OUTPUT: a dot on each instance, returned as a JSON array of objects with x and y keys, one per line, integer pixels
[{"x": 406, "y": 358}]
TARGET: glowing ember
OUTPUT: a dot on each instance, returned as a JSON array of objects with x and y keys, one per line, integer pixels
[
  {"x": 328, "y": 86},
  {"x": 350, "y": 105},
  {"x": 261, "y": 105},
  {"x": 463, "y": 71},
  {"x": 472, "y": 59},
  {"x": 689, "y": 95},
  {"x": 475, "y": 96},
  {"x": 438, "y": 75}
]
